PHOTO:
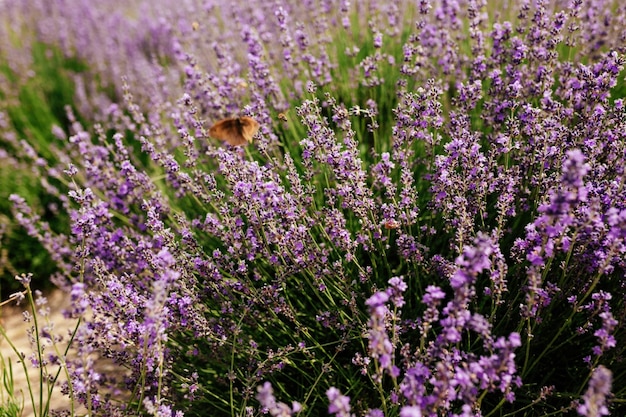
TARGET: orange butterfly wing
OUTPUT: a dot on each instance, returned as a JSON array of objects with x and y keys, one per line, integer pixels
[
  {"x": 235, "y": 131},
  {"x": 249, "y": 127}
]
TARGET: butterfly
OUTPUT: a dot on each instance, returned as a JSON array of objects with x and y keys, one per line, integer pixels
[{"x": 235, "y": 131}]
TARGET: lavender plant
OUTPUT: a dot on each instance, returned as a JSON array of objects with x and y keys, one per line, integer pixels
[
  {"x": 433, "y": 226},
  {"x": 49, "y": 348}
]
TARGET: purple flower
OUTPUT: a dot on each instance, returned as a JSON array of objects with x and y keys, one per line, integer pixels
[
  {"x": 265, "y": 396},
  {"x": 410, "y": 411},
  {"x": 339, "y": 404},
  {"x": 594, "y": 401},
  {"x": 457, "y": 179}
]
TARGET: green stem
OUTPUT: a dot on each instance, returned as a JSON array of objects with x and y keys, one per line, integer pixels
[
  {"x": 22, "y": 362},
  {"x": 231, "y": 376},
  {"x": 565, "y": 325},
  {"x": 31, "y": 301}
]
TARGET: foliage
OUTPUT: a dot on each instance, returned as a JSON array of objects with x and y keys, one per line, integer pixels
[{"x": 431, "y": 219}]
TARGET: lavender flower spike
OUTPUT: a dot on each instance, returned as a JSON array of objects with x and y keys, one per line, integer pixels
[
  {"x": 339, "y": 404},
  {"x": 265, "y": 395},
  {"x": 595, "y": 398}
]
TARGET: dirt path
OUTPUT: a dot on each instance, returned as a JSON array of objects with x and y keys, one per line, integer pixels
[{"x": 12, "y": 320}]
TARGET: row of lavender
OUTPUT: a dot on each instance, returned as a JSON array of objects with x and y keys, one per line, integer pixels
[{"x": 431, "y": 220}]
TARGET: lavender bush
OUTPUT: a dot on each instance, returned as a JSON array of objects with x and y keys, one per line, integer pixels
[{"x": 431, "y": 219}]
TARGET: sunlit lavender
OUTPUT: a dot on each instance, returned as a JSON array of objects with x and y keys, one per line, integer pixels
[{"x": 430, "y": 221}]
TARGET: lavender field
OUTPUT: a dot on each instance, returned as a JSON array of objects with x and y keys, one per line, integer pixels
[{"x": 430, "y": 219}]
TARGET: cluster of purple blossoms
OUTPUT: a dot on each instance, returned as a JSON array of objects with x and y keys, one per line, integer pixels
[
  {"x": 431, "y": 218},
  {"x": 266, "y": 398},
  {"x": 594, "y": 399}
]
